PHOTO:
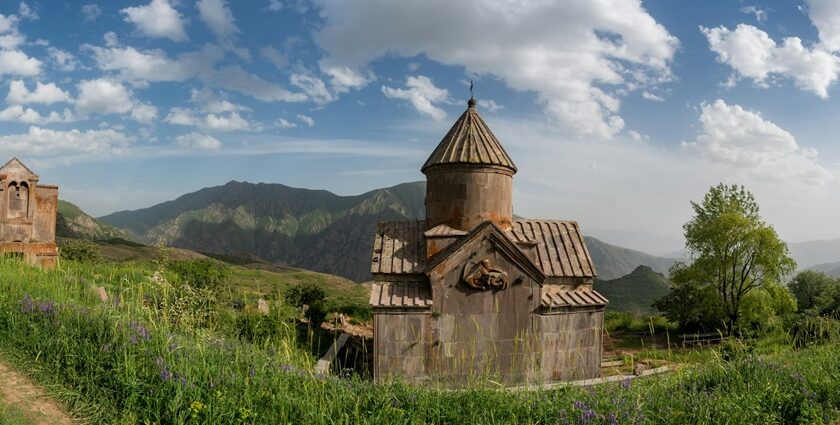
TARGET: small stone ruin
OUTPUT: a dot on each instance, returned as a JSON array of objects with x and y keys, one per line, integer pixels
[{"x": 27, "y": 215}]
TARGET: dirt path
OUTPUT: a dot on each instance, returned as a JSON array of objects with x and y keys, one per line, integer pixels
[{"x": 20, "y": 392}]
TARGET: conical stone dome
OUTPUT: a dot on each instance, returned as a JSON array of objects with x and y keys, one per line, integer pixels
[{"x": 469, "y": 142}]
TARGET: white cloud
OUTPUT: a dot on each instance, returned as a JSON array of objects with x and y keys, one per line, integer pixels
[
  {"x": 752, "y": 54},
  {"x": 143, "y": 113},
  {"x": 218, "y": 17},
  {"x": 135, "y": 65},
  {"x": 45, "y": 142},
  {"x": 652, "y": 97},
  {"x": 314, "y": 88},
  {"x": 490, "y": 105},
  {"x": 421, "y": 92},
  {"x": 198, "y": 141},
  {"x": 578, "y": 57},
  {"x": 275, "y": 5},
  {"x": 63, "y": 60},
  {"x": 15, "y": 62},
  {"x": 181, "y": 116},
  {"x": 283, "y": 123},
  {"x": 102, "y": 96},
  {"x": 742, "y": 138},
  {"x": 157, "y": 19},
  {"x": 760, "y": 14},
  {"x": 274, "y": 57},
  {"x": 91, "y": 12},
  {"x": 17, "y": 113},
  {"x": 344, "y": 79},
  {"x": 235, "y": 78},
  {"x": 27, "y": 12},
  {"x": 229, "y": 122},
  {"x": 825, "y": 15},
  {"x": 46, "y": 94},
  {"x": 307, "y": 120}
]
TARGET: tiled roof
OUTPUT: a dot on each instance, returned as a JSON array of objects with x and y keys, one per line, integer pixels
[
  {"x": 572, "y": 298},
  {"x": 442, "y": 230},
  {"x": 561, "y": 250},
  {"x": 399, "y": 247},
  {"x": 400, "y": 295},
  {"x": 469, "y": 141}
]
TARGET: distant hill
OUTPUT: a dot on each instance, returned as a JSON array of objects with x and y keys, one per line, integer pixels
[
  {"x": 311, "y": 229},
  {"x": 831, "y": 269},
  {"x": 72, "y": 222},
  {"x": 634, "y": 292},
  {"x": 612, "y": 262},
  {"x": 812, "y": 253}
]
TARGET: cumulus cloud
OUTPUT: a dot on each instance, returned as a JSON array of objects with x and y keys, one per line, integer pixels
[
  {"x": 198, "y": 141},
  {"x": 490, "y": 105},
  {"x": 17, "y": 113},
  {"x": 103, "y": 96},
  {"x": 422, "y": 94},
  {"x": 157, "y": 19},
  {"x": 15, "y": 62},
  {"x": 760, "y": 14},
  {"x": 576, "y": 56},
  {"x": 227, "y": 122},
  {"x": 223, "y": 119},
  {"x": 306, "y": 120},
  {"x": 143, "y": 113},
  {"x": 146, "y": 65},
  {"x": 825, "y": 15},
  {"x": 218, "y": 17},
  {"x": 652, "y": 97},
  {"x": 284, "y": 123},
  {"x": 744, "y": 139},
  {"x": 46, "y": 94},
  {"x": 62, "y": 59},
  {"x": 45, "y": 142},
  {"x": 314, "y": 88},
  {"x": 751, "y": 53},
  {"x": 27, "y": 12},
  {"x": 90, "y": 12}
]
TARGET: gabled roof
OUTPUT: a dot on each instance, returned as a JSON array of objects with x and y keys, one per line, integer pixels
[
  {"x": 503, "y": 242},
  {"x": 469, "y": 142},
  {"x": 16, "y": 163},
  {"x": 399, "y": 248},
  {"x": 561, "y": 250},
  {"x": 572, "y": 298},
  {"x": 400, "y": 295}
]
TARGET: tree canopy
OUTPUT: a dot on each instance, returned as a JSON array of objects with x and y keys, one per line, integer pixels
[{"x": 732, "y": 251}]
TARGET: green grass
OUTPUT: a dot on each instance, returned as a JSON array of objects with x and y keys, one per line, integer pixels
[
  {"x": 11, "y": 415},
  {"x": 130, "y": 362}
]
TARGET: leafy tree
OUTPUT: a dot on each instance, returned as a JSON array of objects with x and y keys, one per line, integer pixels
[
  {"x": 202, "y": 273},
  {"x": 816, "y": 293},
  {"x": 694, "y": 307},
  {"x": 733, "y": 250},
  {"x": 310, "y": 294}
]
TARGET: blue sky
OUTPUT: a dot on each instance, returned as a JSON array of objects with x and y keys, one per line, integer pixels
[{"x": 617, "y": 112}]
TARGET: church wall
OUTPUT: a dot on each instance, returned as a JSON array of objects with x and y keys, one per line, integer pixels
[
  {"x": 571, "y": 344},
  {"x": 402, "y": 341},
  {"x": 46, "y": 203}
]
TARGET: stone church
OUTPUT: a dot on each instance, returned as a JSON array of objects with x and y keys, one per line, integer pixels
[
  {"x": 472, "y": 293},
  {"x": 27, "y": 215}
]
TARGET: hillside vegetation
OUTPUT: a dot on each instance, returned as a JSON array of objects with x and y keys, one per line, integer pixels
[
  {"x": 72, "y": 222},
  {"x": 634, "y": 292},
  {"x": 612, "y": 262}
]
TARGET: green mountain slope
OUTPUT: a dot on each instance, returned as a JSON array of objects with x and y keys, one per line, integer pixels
[
  {"x": 634, "y": 292},
  {"x": 72, "y": 222},
  {"x": 311, "y": 229},
  {"x": 612, "y": 262}
]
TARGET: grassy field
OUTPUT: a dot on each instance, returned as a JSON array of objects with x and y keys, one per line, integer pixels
[
  {"x": 148, "y": 356},
  {"x": 10, "y": 415}
]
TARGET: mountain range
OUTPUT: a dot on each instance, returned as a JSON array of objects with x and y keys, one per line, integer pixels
[{"x": 312, "y": 229}]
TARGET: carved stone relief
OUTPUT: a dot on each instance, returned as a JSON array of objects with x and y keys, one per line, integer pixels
[{"x": 482, "y": 275}]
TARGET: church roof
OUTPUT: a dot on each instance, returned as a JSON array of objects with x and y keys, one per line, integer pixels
[
  {"x": 399, "y": 247},
  {"x": 469, "y": 142},
  {"x": 14, "y": 164},
  {"x": 401, "y": 295}
]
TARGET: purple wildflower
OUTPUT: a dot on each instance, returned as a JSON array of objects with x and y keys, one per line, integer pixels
[
  {"x": 27, "y": 305},
  {"x": 165, "y": 375},
  {"x": 625, "y": 384},
  {"x": 139, "y": 332}
]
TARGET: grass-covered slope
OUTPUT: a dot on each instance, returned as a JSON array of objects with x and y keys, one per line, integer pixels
[
  {"x": 634, "y": 292},
  {"x": 72, "y": 222},
  {"x": 612, "y": 262},
  {"x": 130, "y": 362},
  {"x": 311, "y": 229}
]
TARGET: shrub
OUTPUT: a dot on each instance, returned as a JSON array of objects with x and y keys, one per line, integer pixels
[
  {"x": 80, "y": 250},
  {"x": 310, "y": 294},
  {"x": 202, "y": 273},
  {"x": 811, "y": 330}
]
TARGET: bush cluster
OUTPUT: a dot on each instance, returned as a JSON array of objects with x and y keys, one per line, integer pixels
[{"x": 80, "y": 250}]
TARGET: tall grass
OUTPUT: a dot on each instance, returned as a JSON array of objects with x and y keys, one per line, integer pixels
[{"x": 130, "y": 361}]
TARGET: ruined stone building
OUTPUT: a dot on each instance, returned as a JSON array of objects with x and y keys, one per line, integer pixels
[
  {"x": 471, "y": 292},
  {"x": 27, "y": 215}
]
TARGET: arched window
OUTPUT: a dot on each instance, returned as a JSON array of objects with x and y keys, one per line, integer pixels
[{"x": 18, "y": 199}]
